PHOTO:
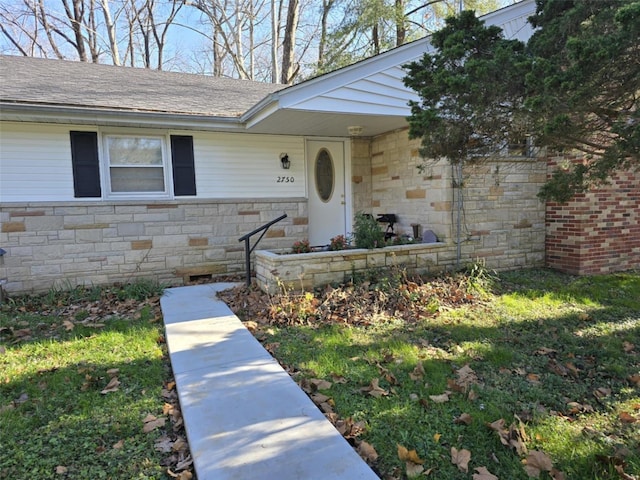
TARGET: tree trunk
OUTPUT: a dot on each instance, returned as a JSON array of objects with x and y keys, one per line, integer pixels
[
  {"x": 111, "y": 33},
  {"x": 401, "y": 29},
  {"x": 289, "y": 42},
  {"x": 76, "y": 26},
  {"x": 326, "y": 8},
  {"x": 275, "y": 40}
]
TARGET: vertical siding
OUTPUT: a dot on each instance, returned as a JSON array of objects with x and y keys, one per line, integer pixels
[{"x": 35, "y": 163}]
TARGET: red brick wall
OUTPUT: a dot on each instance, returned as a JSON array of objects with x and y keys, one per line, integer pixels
[{"x": 597, "y": 231}]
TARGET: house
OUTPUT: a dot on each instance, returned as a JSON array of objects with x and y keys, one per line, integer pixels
[{"x": 112, "y": 173}]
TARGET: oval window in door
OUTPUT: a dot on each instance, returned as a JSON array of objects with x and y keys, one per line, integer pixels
[{"x": 324, "y": 173}]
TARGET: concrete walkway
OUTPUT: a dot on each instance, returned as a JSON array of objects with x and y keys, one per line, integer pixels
[{"x": 244, "y": 415}]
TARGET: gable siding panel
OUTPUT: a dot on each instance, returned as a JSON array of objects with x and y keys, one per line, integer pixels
[
  {"x": 35, "y": 163},
  {"x": 333, "y": 92}
]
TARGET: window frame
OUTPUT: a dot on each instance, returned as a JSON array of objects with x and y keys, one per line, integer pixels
[{"x": 106, "y": 165}]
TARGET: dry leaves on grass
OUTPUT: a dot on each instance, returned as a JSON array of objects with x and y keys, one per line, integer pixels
[
  {"x": 367, "y": 452},
  {"x": 461, "y": 458},
  {"x": 538, "y": 462},
  {"x": 418, "y": 372},
  {"x": 464, "y": 418},
  {"x": 374, "y": 389},
  {"x": 514, "y": 437},
  {"x": 112, "y": 386},
  {"x": 483, "y": 474},
  {"x": 442, "y": 398},
  {"x": 151, "y": 422},
  {"x": 350, "y": 304},
  {"x": 413, "y": 463}
]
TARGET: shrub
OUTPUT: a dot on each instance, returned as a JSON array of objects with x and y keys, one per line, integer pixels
[
  {"x": 339, "y": 242},
  {"x": 301, "y": 246},
  {"x": 367, "y": 232}
]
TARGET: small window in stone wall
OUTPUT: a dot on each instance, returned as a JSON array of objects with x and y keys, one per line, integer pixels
[{"x": 325, "y": 175}]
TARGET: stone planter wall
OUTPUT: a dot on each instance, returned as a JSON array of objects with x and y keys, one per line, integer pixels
[{"x": 305, "y": 271}]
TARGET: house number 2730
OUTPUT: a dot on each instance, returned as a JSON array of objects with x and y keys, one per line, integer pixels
[{"x": 285, "y": 179}]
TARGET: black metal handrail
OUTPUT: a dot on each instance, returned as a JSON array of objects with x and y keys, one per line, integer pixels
[{"x": 247, "y": 237}]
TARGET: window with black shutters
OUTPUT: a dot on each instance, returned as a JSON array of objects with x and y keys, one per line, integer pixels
[{"x": 133, "y": 165}]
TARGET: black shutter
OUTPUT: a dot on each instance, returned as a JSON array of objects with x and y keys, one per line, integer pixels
[
  {"x": 184, "y": 173},
  {"x": 85, "y": 163}
]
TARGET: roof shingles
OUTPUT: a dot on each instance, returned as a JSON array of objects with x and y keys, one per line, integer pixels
[{"x": 28, "y": 80}]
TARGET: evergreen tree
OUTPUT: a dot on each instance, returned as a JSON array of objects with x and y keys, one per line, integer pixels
[{"x": 584, "y": 87}]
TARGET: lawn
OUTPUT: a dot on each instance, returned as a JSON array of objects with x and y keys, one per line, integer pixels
[
  {"x": 518, "y": 375},
  {"x": 86, "y": 388},
  {"x": 475, "y": 376}
]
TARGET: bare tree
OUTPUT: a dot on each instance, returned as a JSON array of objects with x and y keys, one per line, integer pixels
[
  {"x": 289, "y": 42},
  {"x": 89, "y": 30}
]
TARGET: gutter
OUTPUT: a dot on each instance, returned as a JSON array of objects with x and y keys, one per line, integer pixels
[{"x": 10, "y": 111}]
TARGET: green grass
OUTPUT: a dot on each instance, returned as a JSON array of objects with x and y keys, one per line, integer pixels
[
  {"x": 538, "y": 341},
  {"x": 52, "y": 411}
]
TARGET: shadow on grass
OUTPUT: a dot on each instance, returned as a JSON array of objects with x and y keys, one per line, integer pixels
[
  {"x": 53, "y": 413},
  {"x": 582, "y": 346}
]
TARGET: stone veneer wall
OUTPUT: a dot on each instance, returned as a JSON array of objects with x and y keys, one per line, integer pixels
[
  {"x": 398, "y": 187},
  {"x": 597, "y": 231},
  {"x": 361, "y": 174},
  {"x": 69, "y": 244},
  {"x": 503, "y": 222}
]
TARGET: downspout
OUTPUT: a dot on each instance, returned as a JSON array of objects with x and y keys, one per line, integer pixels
[{"x": 457, "y": 184}]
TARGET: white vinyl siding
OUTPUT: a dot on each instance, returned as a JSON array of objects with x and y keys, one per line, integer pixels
[
  {"x": 231, "y": 165},
  {"x": 35, "y": 163}
]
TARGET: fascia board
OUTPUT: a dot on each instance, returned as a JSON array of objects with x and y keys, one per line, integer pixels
[{"x": 59, "y": 114}]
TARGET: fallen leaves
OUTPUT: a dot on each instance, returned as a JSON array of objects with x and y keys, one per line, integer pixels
[
  {"x": 514, "y": 437},
  {"x": 413, "y": 463},
  {"x": 80, "y": 316},
  {"x": 483, "y": 474},
  {"x": 538, "y": 462},
  {"x": 152, "y": 422},
  {"x": 367, "y": 452},
  {"x": 351, "y": 304},
  {"x": 374, "y": 389},
  {"x": 461, "y": 458},
  {"x": 442, "y": 398},
  {"x": 464, "y": 418},
  {"x": 627, "y": 418},
  {"x": 418, "y": 372},
  {"x": 112, "y": 386}
]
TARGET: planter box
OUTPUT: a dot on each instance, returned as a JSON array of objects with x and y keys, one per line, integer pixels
[{"x": 305, "y": 271}]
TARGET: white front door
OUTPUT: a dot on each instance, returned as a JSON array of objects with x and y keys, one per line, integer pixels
[{"x": 327, "y": 203}]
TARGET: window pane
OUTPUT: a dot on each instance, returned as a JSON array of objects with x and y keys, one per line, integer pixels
[
  {"x": 325, "y": 178},
  {"x": 134, "y": 151},
  {"x": 137, "y": 179}
]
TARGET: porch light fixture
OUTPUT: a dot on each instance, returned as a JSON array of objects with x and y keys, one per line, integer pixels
[
  {"x": 355, "y": 130},
  {"x": 284, "y": 161}
]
